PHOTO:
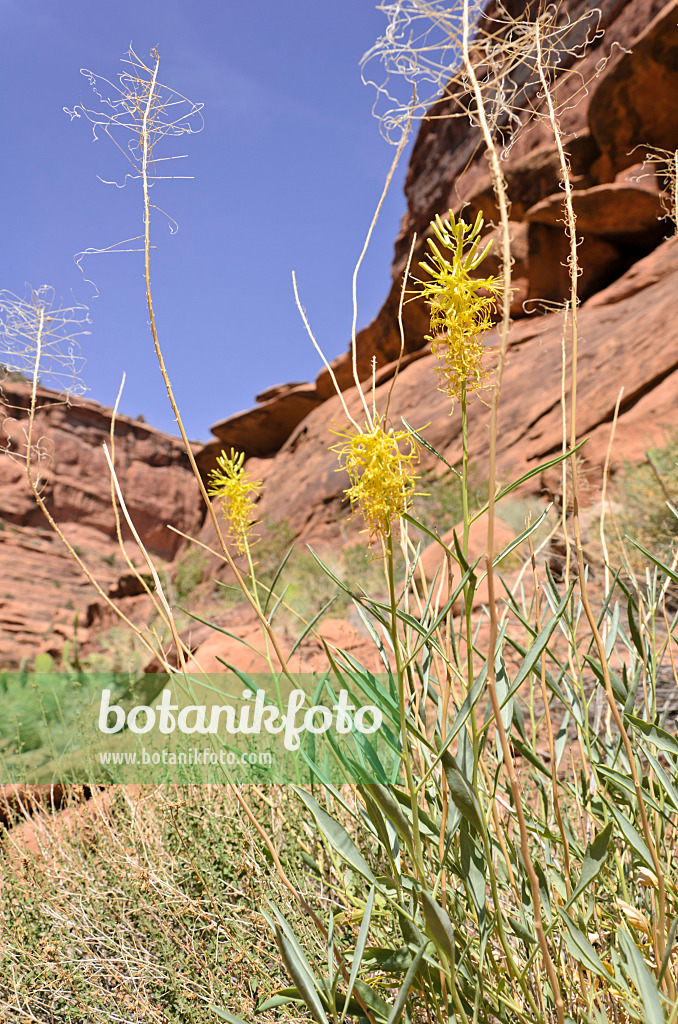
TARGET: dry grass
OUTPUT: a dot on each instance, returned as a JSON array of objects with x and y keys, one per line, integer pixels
[{"x": 142, "y": 905}]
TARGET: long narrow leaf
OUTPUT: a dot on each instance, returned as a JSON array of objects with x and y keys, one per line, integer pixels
[
  {"x": 672, "y": 575},
  {"x": 278, "y": 573},
  {"x": 309, "y": 626},
  {"x": 401, "y": 999},
  {"x": 429, "y": 533},
  {"x": 225, "y": 1015},
  {"x": 422, "y": 441},
  {"x": 291, "y": 994},
  {"x": 528, "y": 476},
  {"x": 631, "y": 836},
  {"x": 541, "y": 642},
  {"x": 580, "y": 948},
  {"x": 461, "y": 792},
  {"x": 300, "y": 972},
  {"x": 594, "y": 859},
  {"x": 439, "y": 925},
  {"x": 659, "y": 737},
  {"x": 359, "y": 948},
  {"x": 391, "y": 809},
  {"x": 645, "y": 983},
  {"x": 337, "y": 836},
  {"x": 517, "y": 541}
]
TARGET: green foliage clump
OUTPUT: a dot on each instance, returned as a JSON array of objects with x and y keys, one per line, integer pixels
[
  {"x": 189, "y": 573},
  {"x": 644, "y": 493},
  {"x": 441, "y": 507}
]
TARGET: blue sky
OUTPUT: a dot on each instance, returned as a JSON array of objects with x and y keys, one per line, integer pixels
[{"x": 287, "y": 173}]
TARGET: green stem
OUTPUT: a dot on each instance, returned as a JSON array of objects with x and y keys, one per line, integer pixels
[
  {"x": 464, "y": 468},
  {"x": 250, "y": 565},
  {"x": 468, "y": 589},
  {"x": 404, "y": 738}
]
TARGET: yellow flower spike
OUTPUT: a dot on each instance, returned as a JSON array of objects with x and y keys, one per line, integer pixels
[
  {"x": 379, "y": 464},
  {"x": 236, "y": 490},
  {"x": 460, "y": 314}
]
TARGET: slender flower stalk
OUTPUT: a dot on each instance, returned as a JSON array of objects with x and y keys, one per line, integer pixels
[
  {"x": 461, "y": 312},
  {"x": 236, "y": 490},
  {"x": 141, "y": 106}
]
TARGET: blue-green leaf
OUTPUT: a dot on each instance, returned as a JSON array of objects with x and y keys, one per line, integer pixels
[
  {"x": 359, "y": 948},
  {"x": 225, "y": 1015},
  {"x": 660, "y": 737},
  {"x": 401, "y": 999},
  {"x": 337, "y": 836},
  {"x": 594, "y": 859},
  {"x": 580, "y": 948},
  {"x": 641, "y": 977},
  {"x": 439, "y": 924},
  {"x": 631, "y": 836}
]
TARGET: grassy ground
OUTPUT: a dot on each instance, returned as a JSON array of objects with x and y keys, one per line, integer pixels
[{"x": 144, "y": 906}]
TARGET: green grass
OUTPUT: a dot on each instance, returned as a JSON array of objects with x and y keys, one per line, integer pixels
[{"x": 641, "y": 494}]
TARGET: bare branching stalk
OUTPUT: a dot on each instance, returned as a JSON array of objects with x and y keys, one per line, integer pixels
[
  {"x": 499, "y": 185},
  {"x": 574, "y": 272},
  {"x": 150, "y": 112},
  {"x": 666, "y": 163},
  {"x": 368, "y": 238},
  {"x": 603, "y": 538},
  {"x": 38, "y": 338},
  {"x": 158, "y": 589},
  {"x": 401, "y": 328}
]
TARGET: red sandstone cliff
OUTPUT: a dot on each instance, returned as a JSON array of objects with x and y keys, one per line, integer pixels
[
  {"x": 627, "y": 106},
  {"x": 44, "y": 599}
]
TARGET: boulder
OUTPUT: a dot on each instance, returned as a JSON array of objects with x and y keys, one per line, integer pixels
[
  {"x": 276, "y": 390},
  {"x": 206, "y": 458},
  {"x": 548, "y": 279},
  {"x": 528, "y": 180},
  {"x": 619, "y": 211},
  {"x": 433, "y": 563},
  {"x": 262, "y": 430},
  {"x": 616, "y": 223},
  {"x": 152, "y": 468}
]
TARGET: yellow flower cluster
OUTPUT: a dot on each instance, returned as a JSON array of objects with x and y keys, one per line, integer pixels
[
  {"x": 461, "y": 305},
  {"x": 237, "y": 490},
  {"x": 379, "y": 464}
]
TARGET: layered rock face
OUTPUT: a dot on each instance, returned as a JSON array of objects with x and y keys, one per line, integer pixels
[
  {"x": 609, "y": 118},
  {"x": 44, "y": 597},
  {"x": 628, "y": 338}
]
